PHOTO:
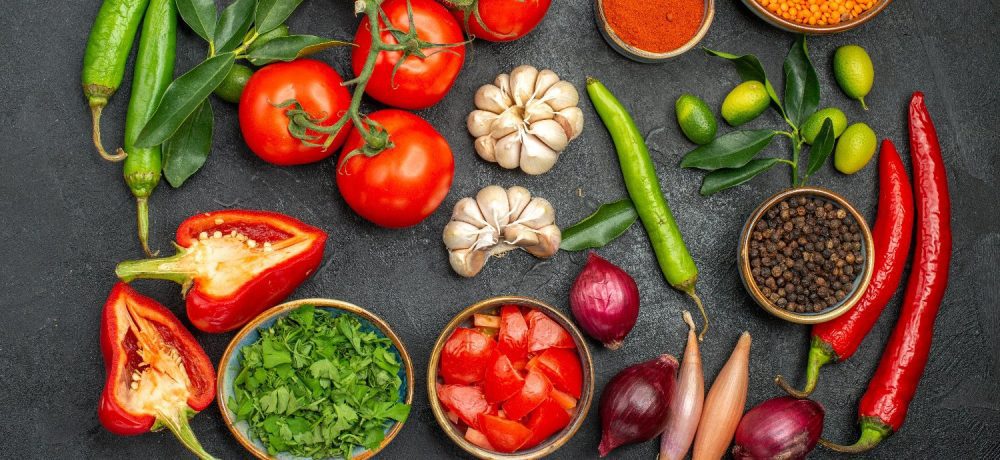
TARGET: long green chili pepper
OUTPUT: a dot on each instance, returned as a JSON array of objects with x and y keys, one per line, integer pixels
[
  {"x": 644, "y": 189},
  {"x": 154, "y": 70},
  {"x": 104, "y": 60}
]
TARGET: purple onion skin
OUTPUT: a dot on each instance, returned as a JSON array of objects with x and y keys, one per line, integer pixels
[
  {"x": 634, "y": 404},
  {"x": 605, "y": 301},
  {"x": 782, "y": 428}
]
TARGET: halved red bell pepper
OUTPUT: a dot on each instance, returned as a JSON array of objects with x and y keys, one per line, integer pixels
[
  {"x": 535, "y": 390},
  {"x": 544, "y": 332},
  {"x": 501, "y": 381},
  {"x": 158, "y": 375},
  {"x": 548, "y": 419},
  {"x": 234, "y": 264}
]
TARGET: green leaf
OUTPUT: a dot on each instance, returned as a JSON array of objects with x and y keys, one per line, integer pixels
[
  {"x": 185, "y": 152},
  {"x": 290, "y": 48},
  {"x": 821, "y": 147},
  {"x": 183, "y": 97},
  {"x": 801, "y": 83},
  {"x": 199, "y": 15},
  {"x": 600, "y": 228},
  {"x": 732, "y": 150},
  {"x": 722, "y": 179},
  {"x": 233, "y": 25},
  {"x": 273, "y": 13},
  {"x": 749, "y": 68}
]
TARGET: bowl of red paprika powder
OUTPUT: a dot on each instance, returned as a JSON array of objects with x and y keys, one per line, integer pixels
[{"x": 655, "y": 30}]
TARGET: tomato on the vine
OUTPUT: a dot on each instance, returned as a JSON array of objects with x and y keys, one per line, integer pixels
[
  {"x": 403, "y": 184},
  {"x": 315, "y": 85},
  {"x": 505, "y": 20},
  {"x": 419, "y": 82}
]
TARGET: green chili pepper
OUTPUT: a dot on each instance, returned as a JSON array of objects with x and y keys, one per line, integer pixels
[
  {"x": 644, "y": 189},
  {"x": 154, "y": 70},
  {"x": 107, "y": 51}
]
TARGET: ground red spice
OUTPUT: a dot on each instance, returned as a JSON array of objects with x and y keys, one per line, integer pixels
[{"x": 656, "y": 26}]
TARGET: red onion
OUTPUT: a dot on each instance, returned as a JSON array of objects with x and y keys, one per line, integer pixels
[
  {"x": 783, "y": 428},
  {"x": 634, "y": 404},
  {"x": 605, "y": 301}
]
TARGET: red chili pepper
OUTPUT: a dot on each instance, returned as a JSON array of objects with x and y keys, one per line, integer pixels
[
  {"x": 233, "y": 264},
  {"x": 883, "y": 406},
  {"x": 158, "y": 375},
  {"x": 837, "y": 340}
]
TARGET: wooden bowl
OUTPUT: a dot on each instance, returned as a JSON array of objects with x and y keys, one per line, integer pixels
[
  {"x": 555, "y": 441},
  {"x": 229, "y": 368},
  {"x": 861, "y": 280},
  {"x": 640, "y": 55},
  {"x": 792, "y": 26}
]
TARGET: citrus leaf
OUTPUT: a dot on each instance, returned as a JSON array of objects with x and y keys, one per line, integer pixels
[
  {"x": 199, "y": 15},
  {"x": 290, "y": 48},
  {"x": 801, "y": 83},
  {"x": 234, "y": 22},
  {"x": 273, "y": 13},
  {"x": 821, "y": 148},
  {"x": 731, "y": 150},
  {"x": 600, "y": 228},
  {"x": 187, "y": 149},
  {"x": 722, "y": 179},
  {"x": 749, "y": 68},
  {"x": 182, "y": 97}
]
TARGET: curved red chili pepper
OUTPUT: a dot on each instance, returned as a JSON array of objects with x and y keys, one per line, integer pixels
[
  {"x": 837, "y": 340},
  {"x": 883, "y": 406},
  {"x": 234, "y": 264}
]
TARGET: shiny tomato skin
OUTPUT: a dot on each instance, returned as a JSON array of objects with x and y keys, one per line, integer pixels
[
  {"x": 548, "y": 419},
  {"x": 535, "y": 390},
  {"x": 419, "y": 82},
  {"x": 315, "y": 85},
  {"x": 467, "y": 402},
  {"x": 563, "y": 369},
  {"x": 465, "y": 356},
  {"x": 506, "y": 20},
  {"x": 544, "y": 332},
  {"x": 501, "y": 381},
  {"x": 513, "y": 337},
  {"x": 402, "y": 185},
  {"x": 504, "y": 435}
]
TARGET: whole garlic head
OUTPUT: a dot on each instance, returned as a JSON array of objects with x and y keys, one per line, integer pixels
[
  {"x": 525, "y": 118},
  {"x": 497, "y": 221}
]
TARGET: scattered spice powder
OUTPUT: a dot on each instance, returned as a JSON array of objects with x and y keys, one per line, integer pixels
[
  {"x": 818, "y": 12},
  {"x": 656, "y": 26}
]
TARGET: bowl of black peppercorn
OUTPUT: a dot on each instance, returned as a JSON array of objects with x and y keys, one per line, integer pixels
[{"x": 805, "y": 255}]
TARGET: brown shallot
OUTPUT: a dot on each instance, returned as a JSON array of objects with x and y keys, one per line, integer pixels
[
  {"x": 685, "y": 409},
  {"x": 724, "y": 404}
]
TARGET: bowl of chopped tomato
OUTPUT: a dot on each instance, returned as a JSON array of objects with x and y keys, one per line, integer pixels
[{"x": 510, "y": 377}]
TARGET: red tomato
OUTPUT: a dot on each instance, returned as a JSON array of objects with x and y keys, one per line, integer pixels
[
  {"x": 563, "y": 369},
  {"x": 544, "y": 333},
  {"x": 504, "y": 435},
  {"x": 535, "y": 390},
  {"x": 265, "y": 127},
  {"x": 545, "y": 421},
  {"x": 563, "y": 399},
  {"x": 465, "y": 401},
  {"x": 502, "y": 381},
  {"x": 418, "y": 82},
  {"x": 505, "y": 20},
  {"x": 404, "y": 184},
  {"x": 465, "y": 356},
  {"x": 478, "y": 438},
  {"x": 513, "y": 338}
]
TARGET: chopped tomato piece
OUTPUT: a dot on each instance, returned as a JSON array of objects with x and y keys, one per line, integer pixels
[
  {"x": 488, "y": 332},
  {"x": 452, "y": 417},
  {"x": 478, "y": 438},
  {"x": 535, "y": 390},
  {"x": 481, "y": 320},
  {"x": 467, "y": 402},
  {"x": 547, "y": 420},
  {"x": 544, "y": 332},
  {"x": 504, "y": 435},
  {"x": 465, "y": 356},
  {"x": 513, "y": 338},
  {"x": 563, "y": 399},
  {"x": 563, "y": 369},
  {"x": 502, "y": 381}
]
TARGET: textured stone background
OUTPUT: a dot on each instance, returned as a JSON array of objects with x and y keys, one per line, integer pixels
[{"x": 68, "y": 218}]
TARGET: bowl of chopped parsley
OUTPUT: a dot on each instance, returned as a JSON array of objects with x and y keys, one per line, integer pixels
[{"x": 315, "y": 379}]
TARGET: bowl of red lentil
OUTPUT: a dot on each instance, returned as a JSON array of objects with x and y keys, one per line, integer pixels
[
  {"x": 653, "y": 31},
  {"x": 805, "y": 255},
  {"x": 817, "y": 17}
]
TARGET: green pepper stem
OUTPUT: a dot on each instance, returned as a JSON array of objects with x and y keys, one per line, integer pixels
[
  {"x": 873, "y": 431},
  {"x": 179, "y": 426},
  {"x": 820, "y": 354},
  {"x": 142, "y": 224},
  {"x": 170, "y": 268},
  {"x": 95, "y": 114}
]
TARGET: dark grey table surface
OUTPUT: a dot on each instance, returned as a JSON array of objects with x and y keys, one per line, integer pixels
[{"x": 68, "y": 219}]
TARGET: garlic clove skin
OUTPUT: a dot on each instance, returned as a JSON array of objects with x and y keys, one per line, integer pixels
[
  {"x": 486, "y": 148},
  {"x": 522, "y": 83},
  {"x": 538, "y": 110},
  {"x": 518, "y": 198},
  {"x": 571, "y": 119},
  {"x": 551, "y": 133},
  {"x": 467, "y": 210},
  {"x": 561, "y": 95},
  {"x": 549, "y": 238},
  {"x": 492, "y": 99},
  {"x": 520, "y": 235},
  {"x": 480, "y": 122},
  {"x": 537, "y": 214},
  {"x": 536, "y": 157},
  {"x": 508, "y": 151},
  {"x": 493, "y": 203},
  {"x": 466, "y": 262},
  {"x": 460, "y": 235},
  {"x": 503, "y": 82},
  {"x": 505, "y": 124},
  {"x": 545, "y": 79}
]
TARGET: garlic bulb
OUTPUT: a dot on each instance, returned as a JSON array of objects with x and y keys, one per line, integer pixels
[
  {"x": 525, "y": 119},
  {"x": 497, "y": 221}
]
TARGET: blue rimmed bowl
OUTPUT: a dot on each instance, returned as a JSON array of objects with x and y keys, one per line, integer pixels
[{"x": 229, "y": 368}]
